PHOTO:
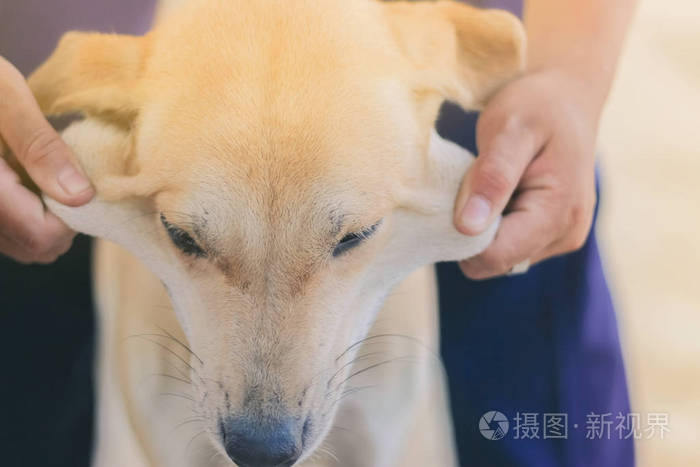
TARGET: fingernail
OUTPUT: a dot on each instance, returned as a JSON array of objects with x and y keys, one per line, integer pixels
[
  {"x": 73, "y": 182},
  {"x": 476, "y": 213}
]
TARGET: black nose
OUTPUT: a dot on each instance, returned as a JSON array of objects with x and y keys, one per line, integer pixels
[{"x": 256, "y": 444}]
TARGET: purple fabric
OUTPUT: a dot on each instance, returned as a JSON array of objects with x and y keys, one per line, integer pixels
[
  {"x": 516, "y": 6},
  {"x": 30, "y": 29}
]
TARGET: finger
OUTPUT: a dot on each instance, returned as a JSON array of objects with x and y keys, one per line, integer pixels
[
  {"x": 36, "y": 145},
  {"x": 522, "y": 234},
  {"x": 14, "y": 251},
  {"x": 574, "y": 240},
  {"x": 25, "y": 222},
  {"x": 506, "y": 147},
  {"x": 20, "y": 254}
]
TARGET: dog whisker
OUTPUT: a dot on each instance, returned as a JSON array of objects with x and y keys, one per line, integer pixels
[
  {"x": 174, "y": 394},
  {"x": 169, "y": 336},
  {"x": 169, "y": 350},
  {"x": 213, "y": 456},
  {"x": 351, "y": 391},
  {"x": 346, "y": 393},
  {"x": 342, "y": 428},
  {"x": 373, "y": 366},
  {"x": 318, "y": 375},
  {"x": 189, "y": 443},
  {"x": 187, "y": 422},
  {"x": 165, "y": 375},
  {"x": 345, "y": 430},
  {"x": 182, "y": 344},
  {"x": 354, "y": 360},
  {"x": 329, "y": 453},
  {"x": 379, "y": 336}
]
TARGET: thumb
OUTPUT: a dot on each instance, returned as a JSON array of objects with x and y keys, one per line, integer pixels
[
  {"x": 36, "y": 145},
  {"x": 506, "y": 148}
]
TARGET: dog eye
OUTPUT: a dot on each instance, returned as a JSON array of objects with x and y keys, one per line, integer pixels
[
  {"x": 182, "y": 240},
  {"x": 352, "y": 240}
]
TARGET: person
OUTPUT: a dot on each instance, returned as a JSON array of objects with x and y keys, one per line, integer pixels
[
  {"x": 543, "y": 346},
  {"x": 539, "y": 343}
]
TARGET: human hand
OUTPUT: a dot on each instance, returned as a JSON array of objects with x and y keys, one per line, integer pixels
[
  {"x": 28, "y": 232},
  {"x": 536, "y": 141}
]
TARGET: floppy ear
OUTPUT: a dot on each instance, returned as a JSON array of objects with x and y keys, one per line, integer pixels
[
  {"x": 428, "y": 219},
  {"x": 423, "y": 230},
  {"x": 98, "y": 75},
  {"x": 460, "y": 52},
  {"x": 121, "y": 200},
  {"x": 95, "y": 74}
]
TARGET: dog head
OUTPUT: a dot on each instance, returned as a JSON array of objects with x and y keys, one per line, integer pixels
[{"x": 275, "y": 164}]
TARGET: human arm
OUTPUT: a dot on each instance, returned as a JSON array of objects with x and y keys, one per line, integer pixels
[{"x": 537, "y": 137}]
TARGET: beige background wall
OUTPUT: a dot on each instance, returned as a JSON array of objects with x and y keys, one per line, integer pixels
[{"x": 650, "y": 224}]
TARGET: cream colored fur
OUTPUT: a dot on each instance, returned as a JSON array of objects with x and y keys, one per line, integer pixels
[{"x": 268, "y": 130}]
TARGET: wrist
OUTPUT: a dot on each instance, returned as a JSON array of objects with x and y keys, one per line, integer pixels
[
  {"x": 586, "y": 89},
  {"x": 581, "y": 38}
]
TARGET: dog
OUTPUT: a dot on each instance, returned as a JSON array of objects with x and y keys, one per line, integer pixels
[{"x": 271, "y": 195}]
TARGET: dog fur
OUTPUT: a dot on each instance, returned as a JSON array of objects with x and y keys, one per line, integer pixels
[{"x": 267, "y": 131}]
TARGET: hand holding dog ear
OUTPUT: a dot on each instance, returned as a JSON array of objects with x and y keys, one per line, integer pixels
[
  {"x": 536, "y": 140},
  {"x": 28, "y": 232}
]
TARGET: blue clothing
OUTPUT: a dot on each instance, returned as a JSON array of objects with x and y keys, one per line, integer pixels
[{"x": 543, "y": 342}]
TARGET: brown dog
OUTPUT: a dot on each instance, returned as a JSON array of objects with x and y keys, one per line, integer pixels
[{"x": 274, "y": 164}]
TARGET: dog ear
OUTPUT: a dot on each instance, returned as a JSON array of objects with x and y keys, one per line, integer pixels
[
  {"x": 427, "y": 218},
  {"x": 104, "y": 151},
  {"x": 98, "y": 75},
  {"x": 462, "y": 53},
  {"x": 94, "y": 74},
  {"x": 100, "y": 147}
]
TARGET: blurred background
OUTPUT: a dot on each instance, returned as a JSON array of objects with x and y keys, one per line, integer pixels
[{"x": 650, "y": 220}]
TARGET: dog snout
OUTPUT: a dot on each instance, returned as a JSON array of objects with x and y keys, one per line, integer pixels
[{"x": 249, "y": 443}]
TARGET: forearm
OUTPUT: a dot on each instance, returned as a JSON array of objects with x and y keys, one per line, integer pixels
[{"x": 580, "y": 37}]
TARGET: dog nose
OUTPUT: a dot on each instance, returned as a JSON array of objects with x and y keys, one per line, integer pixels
[{"x": 271, "y": 444}]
